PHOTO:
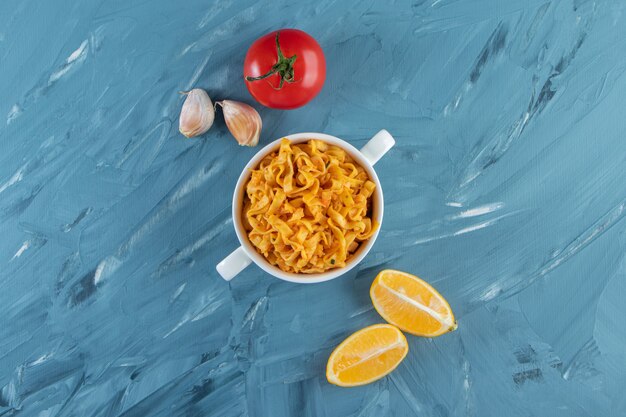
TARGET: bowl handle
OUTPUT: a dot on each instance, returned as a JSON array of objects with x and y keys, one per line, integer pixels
[
  {"x": 233, "y": 264},
  {"x": 378, "y": 146}
]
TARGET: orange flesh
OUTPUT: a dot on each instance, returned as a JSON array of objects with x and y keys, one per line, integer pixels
[
  {"x": 367, "y": 355},
  {"x": 411, "y": 304}
]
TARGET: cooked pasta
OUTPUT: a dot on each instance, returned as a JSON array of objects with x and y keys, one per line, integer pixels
[{"x": 307, "y": 207}]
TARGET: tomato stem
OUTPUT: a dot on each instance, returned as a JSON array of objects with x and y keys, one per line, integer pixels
[{"x": 283, "y": 67}]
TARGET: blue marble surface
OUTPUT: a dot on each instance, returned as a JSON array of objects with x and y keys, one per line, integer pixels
[{"x": 506, "y": 190}]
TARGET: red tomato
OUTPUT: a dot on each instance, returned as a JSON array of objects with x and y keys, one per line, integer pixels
[{"x": 284, "y": 69}]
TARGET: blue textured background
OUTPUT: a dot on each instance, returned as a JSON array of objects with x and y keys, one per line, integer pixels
[{"x": 506, "y": 190}]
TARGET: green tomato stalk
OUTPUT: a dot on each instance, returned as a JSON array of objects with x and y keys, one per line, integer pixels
[{"x": 283, "y": 67}]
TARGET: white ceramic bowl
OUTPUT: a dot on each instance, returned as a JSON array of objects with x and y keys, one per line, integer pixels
[{"x": 245, "y": 254}]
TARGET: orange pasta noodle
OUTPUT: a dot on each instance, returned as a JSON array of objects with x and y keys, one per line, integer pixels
[{"x": 307, "y": 207}]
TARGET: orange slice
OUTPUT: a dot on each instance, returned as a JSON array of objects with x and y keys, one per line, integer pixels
[
  {"x": 367, "y": 355},
  {"x": 410, "y": 303}
]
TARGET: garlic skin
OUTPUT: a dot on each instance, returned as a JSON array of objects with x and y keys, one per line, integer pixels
[
  {"x": 197, "y": 114},
  {"x": 243, "y": 121}
]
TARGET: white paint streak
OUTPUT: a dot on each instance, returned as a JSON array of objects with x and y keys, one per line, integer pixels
[
  {"x": 97, "y": 277},
  {"x": 464, "y": 230},
  {"x": 17, "y": 177},
  {"x": 41, "y": 359},
  {"x": 13, "y": 114},
  {"x": 21, "y": 250},
  {"x": 480, "y": 210},
  {"x": 182, "y": 321},
  {"x": 205, "y": 306},
  {"x": 187, "y": 48},
  {"x": 491, "y": 292},
  {"x": 605, "y": 223},
  {"x": 482, "y": 225},
  {"x": 194, "y": 182},
  {"x": 75, "y": 57},
  {"x": 472, "y": 228},
  {"x": 253, "y": 311},
  {"x": 79, "y": 53},
  {"x": 105, "y": 268},
  {"x": 178, "y": 292}
]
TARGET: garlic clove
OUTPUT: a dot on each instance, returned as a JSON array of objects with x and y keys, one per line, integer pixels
[
  {"x": 197, "y": 114},
  {"x": 243, "y": 121}
]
